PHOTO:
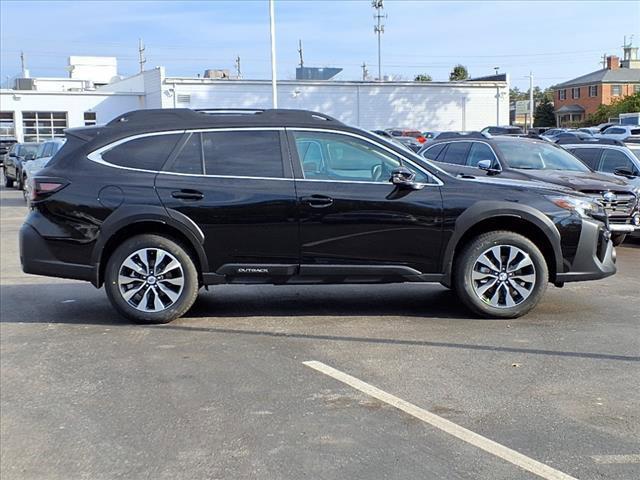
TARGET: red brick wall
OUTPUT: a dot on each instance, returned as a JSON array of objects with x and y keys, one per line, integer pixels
[{"x": 590, "y": 104}]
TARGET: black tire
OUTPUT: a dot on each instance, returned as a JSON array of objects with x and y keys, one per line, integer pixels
[
  {"x": 465, "y": 286},
  {"x": 618, "y": 239},
  {"x": 189, "y": 272},
  {"x": 8, "y": 182}
]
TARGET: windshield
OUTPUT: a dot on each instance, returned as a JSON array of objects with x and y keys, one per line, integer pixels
[
  {"x": 636, "y": 152},
  {"x": 28, "y": 149},
  {"x": 528, "y": 155}
]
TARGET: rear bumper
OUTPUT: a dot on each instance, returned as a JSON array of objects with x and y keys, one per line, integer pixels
[
  {"x": 36, "y": 257},
  {"x": 595, "y": 257}
]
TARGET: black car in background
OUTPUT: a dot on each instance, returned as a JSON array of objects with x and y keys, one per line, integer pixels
[
  {"x": 541, "y": 161},
  {"x": 158, "y": 203},
  {"x": 19, "y": 152},
  {"x": 5, "y": 146}
]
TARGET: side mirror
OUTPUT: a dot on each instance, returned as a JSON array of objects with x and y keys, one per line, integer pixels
[
  {"x": 402, "y": 177},
  {"x": 624, "y": 172},
  {"x": 13, "y": 155},
  {"x": 487, "y": 166}
]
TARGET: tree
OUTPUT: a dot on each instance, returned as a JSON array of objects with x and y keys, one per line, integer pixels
[
  {"x": 544, "y": 115},
  {"x": 628, "y": 104},
  {"x": 459, "y": 72},
  {"x": 423, "y": 77}
]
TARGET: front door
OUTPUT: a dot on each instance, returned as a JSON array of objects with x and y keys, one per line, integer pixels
[
  {"x": 352, "y": 218},
  {"x": 237, "y": 186}
]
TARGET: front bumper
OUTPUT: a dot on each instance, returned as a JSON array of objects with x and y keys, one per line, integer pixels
[{"x": 595, "y": 256}]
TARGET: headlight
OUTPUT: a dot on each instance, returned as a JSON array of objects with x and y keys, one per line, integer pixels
[{"x": 585, "y": 208}]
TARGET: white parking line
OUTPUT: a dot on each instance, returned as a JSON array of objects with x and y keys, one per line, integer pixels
[
  {"x": 611, "y": 459},
  {"x": 516, "y": 458}
]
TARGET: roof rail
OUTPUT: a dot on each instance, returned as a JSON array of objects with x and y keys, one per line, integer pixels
[
  {"x": 589, "y": 140},
  {"x": 445, "y": 135},
  {"x": 230, "y": 111}
]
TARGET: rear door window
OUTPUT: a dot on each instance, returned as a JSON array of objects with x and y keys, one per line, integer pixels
[
  {"x": 189, "y": 159},
  {"x": 589, "y": 156},
  {"x": 432, "y": 152},
  {"x": 456, "y": 154},
  {"x": 243, "y": 154},
  {"x": 145, "y": 153}
]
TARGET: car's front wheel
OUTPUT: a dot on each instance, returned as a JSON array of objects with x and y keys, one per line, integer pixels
[
  {"x": 151, "y": 279},
  {"x": 618, "y": 239},
  {"x": 500, "y": 274}
]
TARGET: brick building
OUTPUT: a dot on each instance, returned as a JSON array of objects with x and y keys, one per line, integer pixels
[{"x": 576, "y": 99}]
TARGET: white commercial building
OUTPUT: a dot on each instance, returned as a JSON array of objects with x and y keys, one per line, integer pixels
[{"x": 49, "y": 106}]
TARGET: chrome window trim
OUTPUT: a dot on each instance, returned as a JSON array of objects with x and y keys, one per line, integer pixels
[
  {"x": 438, "y": 183},
  {"x": 96, "y": 155},
  {"x": 465, "y": 140}
]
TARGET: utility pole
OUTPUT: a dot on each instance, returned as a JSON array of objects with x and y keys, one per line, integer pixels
[
  {"x": 23, "y": 66},
  {"x": 300, "y": 53},
  {"x": 496, "y": 69},
  {"x": 272, "y": 30},
  {"x": 531, "y": 108},
  {"x": 238, "y": 71},
  {"x": 379, "y": 30},
  {"x": 365, "y": 72},
  {"x": 141, "y": 58},
  {"x": 604, "y": 60}
]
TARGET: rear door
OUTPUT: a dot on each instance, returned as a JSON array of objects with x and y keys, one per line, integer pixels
[
  {"x": 353, "y": 221},
  {"x": 589, "y": 156},
  {"x": 237, "y": 186},
  {"x": 478, "y": 151}
]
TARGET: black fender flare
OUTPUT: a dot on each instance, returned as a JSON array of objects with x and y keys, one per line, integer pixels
[
  {"x": 485, "y": 210},
  {"x": 128, "y": 215}
]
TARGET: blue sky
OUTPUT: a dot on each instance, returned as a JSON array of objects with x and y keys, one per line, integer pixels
[{"x": 556, "y": 40}]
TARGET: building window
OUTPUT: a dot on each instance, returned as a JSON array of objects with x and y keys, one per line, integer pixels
[
  {"x": 575, "y": 93},
  {"x": 616, "y": 90},
  {"x": 89, "y": 119},
  {"x": 7, "y": 125},
  {"x": 562, "y": 94},
  {"x": 593, "y": 90},
  {"x": 40, "y": 126}
]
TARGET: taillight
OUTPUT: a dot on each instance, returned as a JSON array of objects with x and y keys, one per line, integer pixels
[
  {"x": 421, "y": 139},
  {"x": 42, "y": 187}
]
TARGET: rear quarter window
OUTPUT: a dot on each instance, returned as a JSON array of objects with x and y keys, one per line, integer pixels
[{"x": 146, "y": 153}]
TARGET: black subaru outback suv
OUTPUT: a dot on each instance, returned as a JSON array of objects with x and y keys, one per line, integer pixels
[{"x": 158, "y": 203}]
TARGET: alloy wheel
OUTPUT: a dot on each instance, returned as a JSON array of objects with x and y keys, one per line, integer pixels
[
  {"x": 503, "y": 276},
  {"x": 151, "y": 279}
]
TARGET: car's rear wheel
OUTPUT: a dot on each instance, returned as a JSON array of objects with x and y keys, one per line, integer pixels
[
  {"x": 500, "y": 274},
  {"x": 151, "y": 279}
]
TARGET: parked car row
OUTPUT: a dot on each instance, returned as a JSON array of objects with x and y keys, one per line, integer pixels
[
  {"x": 158, "y": 203},
  {"x": 23, "y": 160}
]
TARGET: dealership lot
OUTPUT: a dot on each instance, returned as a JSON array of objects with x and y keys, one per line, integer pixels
[{"x": 224, "y": 392}]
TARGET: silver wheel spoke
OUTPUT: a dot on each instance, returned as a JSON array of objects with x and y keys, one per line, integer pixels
[
  {"x": 483, "y": 289},
  {"x": 129, "y": 263},
  {"x": 520, "y": 289},
  {"x": 508, "y": 297},
  {"x": 495, "y": 298},
  {"x": 147, "y": 291},
  {"x": 525, "y": 262},
  {"x": 481, "y": 276},
  {"x": 513, "y": 253},
  {"x": 173, "y": 296},
  {"x": 485, "y": 261},
  {"x": 530, "y": 278},
  {"x": 497, "y": 253}
]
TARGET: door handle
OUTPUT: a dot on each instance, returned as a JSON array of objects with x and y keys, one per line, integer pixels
[
  {"x": 318, "y": 201},
  {"x": 188, "y": 195}
]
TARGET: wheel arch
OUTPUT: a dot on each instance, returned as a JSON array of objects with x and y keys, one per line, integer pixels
[
  {"x": 126, "y": 223},
  {"x": 490, "y": 216}
]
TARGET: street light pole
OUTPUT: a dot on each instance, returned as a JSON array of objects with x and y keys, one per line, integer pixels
[
  {"x": 274, "y": 86},
  {"x": 531, "y": 100}
]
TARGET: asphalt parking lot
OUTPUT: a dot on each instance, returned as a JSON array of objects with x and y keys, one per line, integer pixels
[{"x": 224, "y": 392}]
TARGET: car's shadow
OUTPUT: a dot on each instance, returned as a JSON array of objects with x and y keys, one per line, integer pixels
[{"x": 77, "y": 303}]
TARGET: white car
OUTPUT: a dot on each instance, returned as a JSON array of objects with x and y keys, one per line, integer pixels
[
  {"x": 623, "y": 133},
  {"x": 46, "y": 151}
]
